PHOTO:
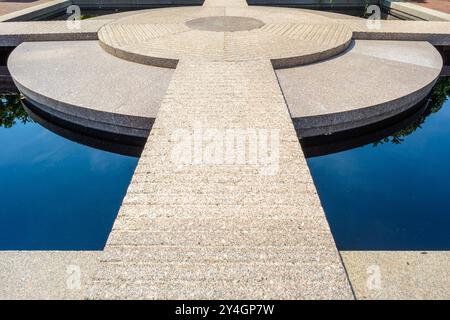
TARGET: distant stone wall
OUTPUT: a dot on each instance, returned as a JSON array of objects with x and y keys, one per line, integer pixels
[{"x": 314, "y": 3}]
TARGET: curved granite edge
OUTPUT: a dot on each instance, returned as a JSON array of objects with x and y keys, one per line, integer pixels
[
  {"x": 326, "y": 124},
  {"x": 405, "y": 274},
  {"x": 108, "y": 122},
  {"x": 97, "y": 97},
  {"x": 369, "y": 83},
  {"x": 277, "y": 63},
  {"x": 139, "y": 58},
  {"x": 290, "y": 62},
  {"x": 15, "y": 33}
]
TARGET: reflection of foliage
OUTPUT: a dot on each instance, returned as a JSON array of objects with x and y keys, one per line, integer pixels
[
  {"x": 11, "y": 111},
  {"x": 87, "y": 16},
  {"x": 440, "y": 94}
]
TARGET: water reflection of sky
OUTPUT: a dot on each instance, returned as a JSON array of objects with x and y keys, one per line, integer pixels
[
  {"x": 390, "y": 196},
  {"x": 57, "y": 194}
]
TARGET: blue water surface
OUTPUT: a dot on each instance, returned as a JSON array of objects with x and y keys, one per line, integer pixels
[
  {"x": 57, "y": 194},
  {"x": 391, "y": 195}
]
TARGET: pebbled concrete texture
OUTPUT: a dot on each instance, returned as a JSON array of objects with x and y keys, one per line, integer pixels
[
  {"x": 115, "y": 95},
  {"x": 51, "y": 275},
  {"x": 401, "y": 275},
  {"x": 372, "y": 81}
]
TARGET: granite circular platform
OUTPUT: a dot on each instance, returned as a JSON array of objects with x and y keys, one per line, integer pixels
[{"x": 288, "y": 37}]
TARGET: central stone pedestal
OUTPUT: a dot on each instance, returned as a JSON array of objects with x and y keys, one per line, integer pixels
[{"x": 225, "y": 24}]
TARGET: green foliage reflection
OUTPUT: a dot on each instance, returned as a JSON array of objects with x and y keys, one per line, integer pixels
[
  {"x": 12, "y": 111},
  {"x": 440, "y": 94}
]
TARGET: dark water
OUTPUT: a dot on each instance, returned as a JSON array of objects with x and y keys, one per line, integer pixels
[
  {"x": 393, "y": 194},
  {"x": 55, "y": 194}
]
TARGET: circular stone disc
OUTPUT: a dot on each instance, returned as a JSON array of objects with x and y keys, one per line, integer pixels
[
  {"x": 288, "y": 37},
  {"x": 225, "y": 24}
]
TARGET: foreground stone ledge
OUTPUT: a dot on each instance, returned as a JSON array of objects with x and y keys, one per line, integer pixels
[
  {"x": 402, "y": 274},
  {"x": 46, "y": 274}
]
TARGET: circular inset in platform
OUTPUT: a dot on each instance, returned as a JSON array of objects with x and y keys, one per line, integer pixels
[{"x": 225, "y": 24}]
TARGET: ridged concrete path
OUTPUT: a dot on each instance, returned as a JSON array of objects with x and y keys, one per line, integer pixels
[{"x": 221, "y": 231}]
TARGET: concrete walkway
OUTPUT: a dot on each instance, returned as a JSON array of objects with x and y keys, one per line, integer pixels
[
  {"x": 217, "y": 230},
  {"x": 399, "y": 275}
]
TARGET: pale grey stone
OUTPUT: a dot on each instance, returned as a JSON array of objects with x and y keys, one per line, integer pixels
[
  {"x": 90, "y": 87},
  {"x": 372, "y": 81}
]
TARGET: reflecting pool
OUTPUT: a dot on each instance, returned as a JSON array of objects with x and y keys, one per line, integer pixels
[
  {"x": 56, "y": 194},
  {"x": 393, "y": 193}
]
